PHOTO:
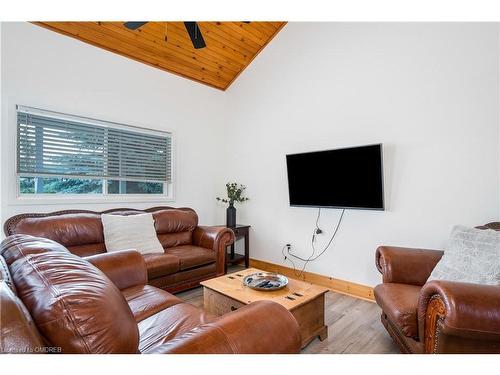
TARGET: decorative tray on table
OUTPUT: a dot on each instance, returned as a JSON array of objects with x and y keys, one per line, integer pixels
[{"x": 265, "y": 281}]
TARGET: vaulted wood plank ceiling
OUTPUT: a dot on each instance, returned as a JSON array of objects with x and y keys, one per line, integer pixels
[{"x": 230, "y": 46}]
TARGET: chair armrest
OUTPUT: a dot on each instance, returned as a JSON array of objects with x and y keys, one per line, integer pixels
[
  {"x": 216, "y": 239},
  {"x": 124, "y": 268},
  {"x": 406, "y": 265},
  {"x": 463, "y": 310},
  {"x": 263, "y": 327}
]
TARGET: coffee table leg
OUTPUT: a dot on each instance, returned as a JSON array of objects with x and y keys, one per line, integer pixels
[{"x": 323, "y": 335}]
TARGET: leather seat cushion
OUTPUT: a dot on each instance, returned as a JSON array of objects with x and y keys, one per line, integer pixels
[
  {"x": 400, "y": 303},
  {"x": 161, "y": 264},
  {"x": 192, "y": 256},
  {"x": 192, "y": 276},
  {"x": 169, "y": 324},
  {"x": 146, "y": 300}
]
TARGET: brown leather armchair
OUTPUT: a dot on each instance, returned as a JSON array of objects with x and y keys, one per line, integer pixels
[
  {"x": 53, "y": 301},
  {"x": 435, "y": 316}
]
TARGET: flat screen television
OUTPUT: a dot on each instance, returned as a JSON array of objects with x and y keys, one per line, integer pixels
[{"x": 342, "y": 178}]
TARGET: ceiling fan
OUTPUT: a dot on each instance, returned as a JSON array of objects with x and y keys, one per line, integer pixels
[{"x": 191, "y": 27}]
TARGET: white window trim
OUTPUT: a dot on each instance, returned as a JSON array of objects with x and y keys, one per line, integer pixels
[{"x": 58, "y": 199}]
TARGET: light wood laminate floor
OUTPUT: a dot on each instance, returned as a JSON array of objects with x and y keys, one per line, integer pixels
[{"x": 353, "y": 325}]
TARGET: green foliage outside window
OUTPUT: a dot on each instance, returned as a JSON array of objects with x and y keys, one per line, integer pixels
[{"x": 30, "y": 185}]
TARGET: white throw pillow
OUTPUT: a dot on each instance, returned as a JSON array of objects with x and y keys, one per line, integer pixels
[
  {"x": 471, "y": 256},
  {"x": 132, "y": 232}
]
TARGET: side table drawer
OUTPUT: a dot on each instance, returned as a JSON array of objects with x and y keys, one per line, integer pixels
[{"x": 240, "y": 232}]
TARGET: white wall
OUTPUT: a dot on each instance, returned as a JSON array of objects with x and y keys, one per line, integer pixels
[
  {"x": 428, "y": 92},
  {"x": 46, "y": 70}
]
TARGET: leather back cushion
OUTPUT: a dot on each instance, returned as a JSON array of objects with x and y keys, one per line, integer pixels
[
  {"x": 175, "y": 227},
  {"x": 74, "y": 305},
  {"x": 175, "y": 239},
  {"x": 70, "y": 230},
  {"x": 82, "y": 233},
  {"x": 88, "y": 249}
]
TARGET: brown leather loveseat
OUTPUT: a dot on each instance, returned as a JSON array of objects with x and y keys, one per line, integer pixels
[
  {"x": 436, "y": 316},
  {"x": 53, "y": 301},
  {"x": 193, "y": 253}
]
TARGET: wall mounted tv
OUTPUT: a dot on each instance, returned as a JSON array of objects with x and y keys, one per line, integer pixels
[{"x": 342, "y": 178}]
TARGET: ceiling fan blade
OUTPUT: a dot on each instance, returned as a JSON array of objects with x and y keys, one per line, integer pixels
[
  {"x": 134, "y": 25},
  {"x": 195, "y": 35}
]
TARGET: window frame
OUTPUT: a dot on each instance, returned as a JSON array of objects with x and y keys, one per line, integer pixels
[{"x": 103, "y": 197}]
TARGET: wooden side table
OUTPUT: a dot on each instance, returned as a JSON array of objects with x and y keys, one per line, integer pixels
[{"x": 240, "y": 231}]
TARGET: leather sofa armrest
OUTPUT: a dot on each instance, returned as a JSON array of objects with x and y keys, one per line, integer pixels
[
  {"x": 216, "y": 239},
  {"x": 463, "y": 310},
  {"x": 263, "y": 327},
  {"x": 124, "y": 268},
  {"x": 406, "y": 265}
]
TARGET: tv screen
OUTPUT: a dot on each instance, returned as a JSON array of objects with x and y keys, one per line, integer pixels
[{"x": 343, "y": 178}]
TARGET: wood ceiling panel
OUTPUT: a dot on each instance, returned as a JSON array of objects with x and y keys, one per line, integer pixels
[
  {"x": 185, "y": 54},
  {"x": 236, "y": 43},
  {"x": 216, "y": 45},
  {"x": 230, "y": 46},
  {"x": 265, "y": 27},
  {"x": 179, "y": 54}
]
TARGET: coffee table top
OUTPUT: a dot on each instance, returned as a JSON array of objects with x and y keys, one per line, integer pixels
[{"x": 293, "y": 295}]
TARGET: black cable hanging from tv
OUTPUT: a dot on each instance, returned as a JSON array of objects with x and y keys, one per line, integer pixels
[{"x": 316, "y": 231}]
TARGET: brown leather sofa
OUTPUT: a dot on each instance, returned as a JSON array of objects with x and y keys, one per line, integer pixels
[
  {"x": 435, "y": 316},
  {"x": 53, "y": 301},
  {"x": 193, "y": 253}
]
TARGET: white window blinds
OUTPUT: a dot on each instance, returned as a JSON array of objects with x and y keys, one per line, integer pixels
[{"x": 52, "y": 144}]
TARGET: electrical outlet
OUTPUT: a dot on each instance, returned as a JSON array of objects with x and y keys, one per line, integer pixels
[{"x": 288, "y": 247}]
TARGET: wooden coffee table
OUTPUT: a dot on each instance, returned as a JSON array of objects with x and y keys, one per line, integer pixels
[{"x": 305, "y": 301}]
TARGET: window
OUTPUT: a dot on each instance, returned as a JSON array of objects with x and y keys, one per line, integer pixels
[{"x": 63, "y": 154}]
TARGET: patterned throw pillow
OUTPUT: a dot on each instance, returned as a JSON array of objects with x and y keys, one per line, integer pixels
[{"x": 471, "y": 256}]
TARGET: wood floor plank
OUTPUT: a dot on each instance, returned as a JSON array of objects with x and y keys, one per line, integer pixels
[{"x": 354, "y": 325}]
